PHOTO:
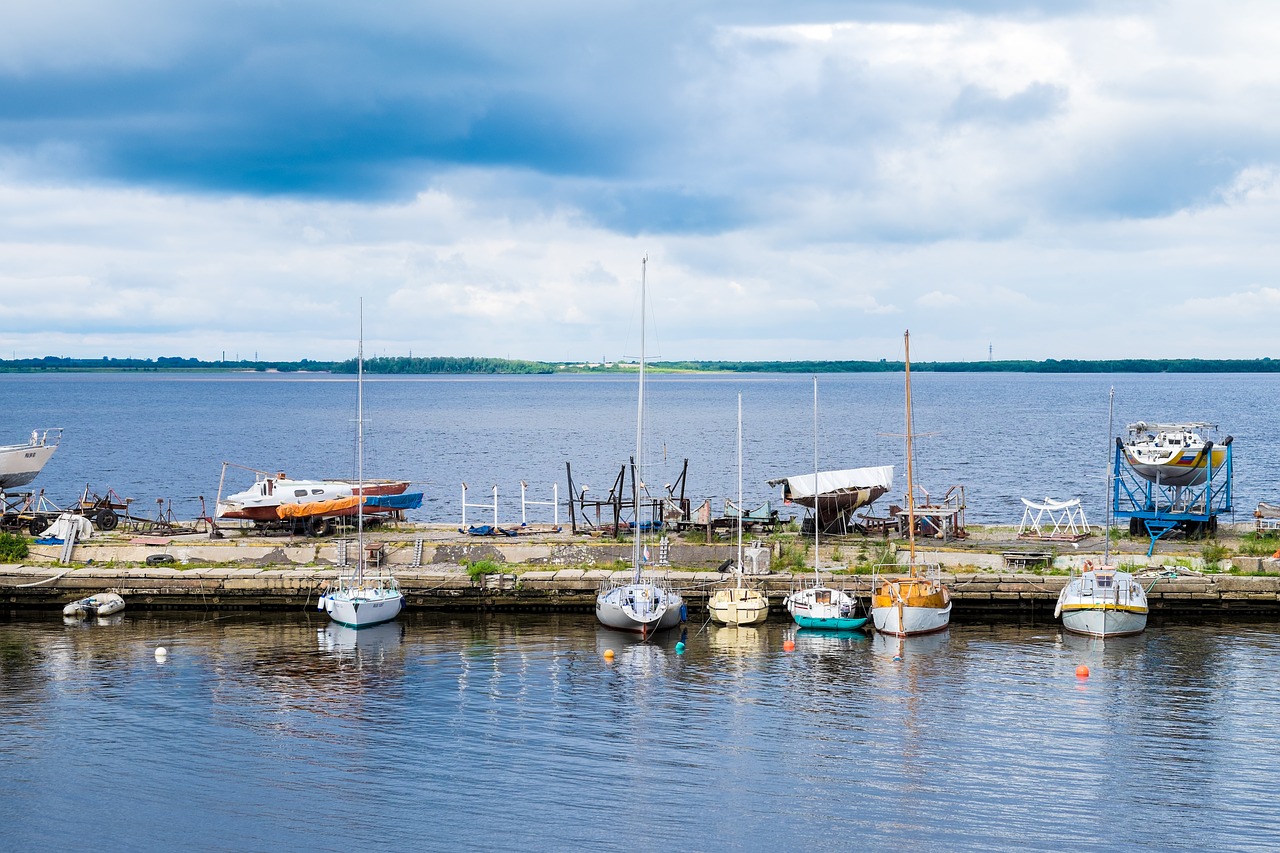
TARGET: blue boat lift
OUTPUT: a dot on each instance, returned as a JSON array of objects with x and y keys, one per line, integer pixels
[{"x": 1157, "y": 508}]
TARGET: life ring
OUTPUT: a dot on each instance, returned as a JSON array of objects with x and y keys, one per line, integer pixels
[{"x": 1088, "y": 566}]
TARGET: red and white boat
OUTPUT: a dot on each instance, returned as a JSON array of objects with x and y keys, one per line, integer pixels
[
  {"x": 21, "y": 463},
  {"x": 275, "y": 496}
]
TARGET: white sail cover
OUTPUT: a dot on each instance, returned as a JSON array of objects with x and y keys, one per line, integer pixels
[{"x": 833, "y": 482}]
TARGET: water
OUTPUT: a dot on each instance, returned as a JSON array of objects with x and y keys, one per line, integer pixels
[
  {"x": 439, "y": 732},
  {"x": 1004, "y": 436}
]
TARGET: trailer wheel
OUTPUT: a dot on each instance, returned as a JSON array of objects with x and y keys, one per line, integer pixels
[
  {"x": 315, "y": 526},
  {"x": 107, "y": 519},
  {"x": 1135, "y": 527},
  {"x": 35, "y": 526}
]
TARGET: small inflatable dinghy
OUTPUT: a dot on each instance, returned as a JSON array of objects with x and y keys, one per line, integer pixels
[{"x": 102, "y": 604}]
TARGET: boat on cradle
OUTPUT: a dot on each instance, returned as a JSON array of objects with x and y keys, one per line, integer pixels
[
  {"x": 102, "y": 604},
  {"x": 837, "y": 494},
  {"x": 919, "y": 603},
  {"x": 1103, "y": 601},
  {"x": 274, "y": 496},
  {"x": 641, "y": 605},
  {"x": 364, "y": 597},
  {"x": 22, "y": 463},
  {"x": 819, "y": 606},
  {"x": 739, "y": 603},
  {"x": 1173, "y": 454}
]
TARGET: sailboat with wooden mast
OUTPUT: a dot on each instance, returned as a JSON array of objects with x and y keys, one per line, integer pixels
[
  {"x": 739, "y": 603},
  {"x": 919, "y": 603},
  {"x": 364, "y": 597},
  {"x": 821, "y": 606},
  {"x": 642, "y": 605}
]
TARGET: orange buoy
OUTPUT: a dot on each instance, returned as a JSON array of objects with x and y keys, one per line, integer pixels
[
  {"x": 608, "y": 654},
  {"x": 788, "y": 645},
  {"x": 1082, "y": 671}
]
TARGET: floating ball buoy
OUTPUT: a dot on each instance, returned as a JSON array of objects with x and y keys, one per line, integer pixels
[
  {"x": 897, "y": 658},
  {"x": 608, "y": 654},
  {"x": 1082, "y": 671},
  {"x": 161, "y": 653},
  {"x": 788, "y": 645},
  {"x": 680, "y": 647}
]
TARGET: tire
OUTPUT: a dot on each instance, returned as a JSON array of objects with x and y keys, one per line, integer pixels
[
  {"x": 315, "y": 526},
  {"x": 1135, "y": 527},
  {"x": 35, "y": 526},
  {"x": 107, "y": 520}
]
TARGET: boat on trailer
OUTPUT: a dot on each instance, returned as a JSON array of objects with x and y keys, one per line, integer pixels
[
  {"x": 22, "y": 463},
  {"x": 263, "y": 500}
]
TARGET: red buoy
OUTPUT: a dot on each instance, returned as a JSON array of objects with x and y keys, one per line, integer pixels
[
  {"x": 788, "y": 645},
  {"x": 1082, "y": 671}
]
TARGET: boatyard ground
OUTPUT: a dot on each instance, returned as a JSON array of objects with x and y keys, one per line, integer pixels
[{"x": 992, "y": 573}]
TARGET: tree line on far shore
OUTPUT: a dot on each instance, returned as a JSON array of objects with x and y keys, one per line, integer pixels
[{"x": 480, "y": 365}]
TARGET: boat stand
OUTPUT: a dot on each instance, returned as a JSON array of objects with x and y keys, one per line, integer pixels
[{"x": 1158, "y": 509}]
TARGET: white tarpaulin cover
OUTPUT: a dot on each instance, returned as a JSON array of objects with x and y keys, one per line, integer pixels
[
  {"x": 64, "y": 524},
  {"x": 834, "y": 482}
]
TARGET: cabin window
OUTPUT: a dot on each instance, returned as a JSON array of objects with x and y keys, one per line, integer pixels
[
  {"x": 823, "y": 597},
  {"x": 317, "y": 491},
  {"x": 299, "y": 493}
]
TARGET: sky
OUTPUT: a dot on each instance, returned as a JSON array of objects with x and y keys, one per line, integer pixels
[{"x": 1025, "y": 180}]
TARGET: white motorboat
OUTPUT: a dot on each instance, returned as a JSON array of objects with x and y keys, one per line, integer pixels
[
  {"x": 1177, "y": 455},
  {"x": 364, "y": 597},
  {"x": 739, "y": 603},
  {"x": 642, "y": 605},
  {"x": 22, "y": 463},
  {"x": 1103, "y": 601},
  {"x": 102, "y": 604},
  {"x": 919, "y": 603}
]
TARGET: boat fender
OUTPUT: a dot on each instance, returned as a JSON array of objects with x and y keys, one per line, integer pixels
[
  {"x": 684, "y": 612},
  {"x": 1057, "y": 611}
]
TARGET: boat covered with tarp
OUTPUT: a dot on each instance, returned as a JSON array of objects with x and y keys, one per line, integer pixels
[{"x": 836, "y": 494}]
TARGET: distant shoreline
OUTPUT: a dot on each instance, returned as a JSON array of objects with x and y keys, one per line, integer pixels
[{"x": 478, "y": 366}]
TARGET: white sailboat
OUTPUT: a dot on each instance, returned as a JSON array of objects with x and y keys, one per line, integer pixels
[
  {"x": 1103, "y": 601},
  {"x": 820, "y": 606},
  {"x": 919, "y": 603},
  {"x": 738, "y": 604},
  {"x": 363, "y": 597},
  {"x": 642, "y": 605}
]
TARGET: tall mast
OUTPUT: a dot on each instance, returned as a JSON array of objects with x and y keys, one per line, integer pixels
[
  {"x": 360, "y": 448},
  {"x": 739, "y": 489},
  {"x": 911, "y": 489},
  {"x": 1106, "y": 540},
  {"x": 815, "y": 476},
  {"x": 638, "y": 474}
]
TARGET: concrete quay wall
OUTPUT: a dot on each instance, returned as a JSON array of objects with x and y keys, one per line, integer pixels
[{"x": 977, "y": 595}]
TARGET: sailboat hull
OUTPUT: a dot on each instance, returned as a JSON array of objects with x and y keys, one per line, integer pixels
[
  {"x": 825, "y": 609},
  {"x": 360, "y": 607},
  {"x": 1103, "y": 603},
  {"x": 911, "y": 607},
  {"x": 641, "y": 608},
  {"x": 738, "y": 606}
]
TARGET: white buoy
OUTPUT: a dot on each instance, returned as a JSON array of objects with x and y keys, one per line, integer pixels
[{"x": 161, "y": 653}]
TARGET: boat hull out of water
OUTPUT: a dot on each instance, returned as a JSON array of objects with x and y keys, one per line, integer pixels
[
  {"x": 22, "y": 463},
  {"x": 910, "y": 607},
  {"x": 642, "y": 607},
  {"x": 262, "y": 500},
  {"x": 1176, "y": 455},
  {"x": 1103, "y": 602},
  {"x": 102, "y": 604},
  {"x": 738, "y": 605}
]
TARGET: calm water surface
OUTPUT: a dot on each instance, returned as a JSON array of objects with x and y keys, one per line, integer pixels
[
  {"x": 270, "y": 732},
  {"x": 1003, "y": 436}
]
